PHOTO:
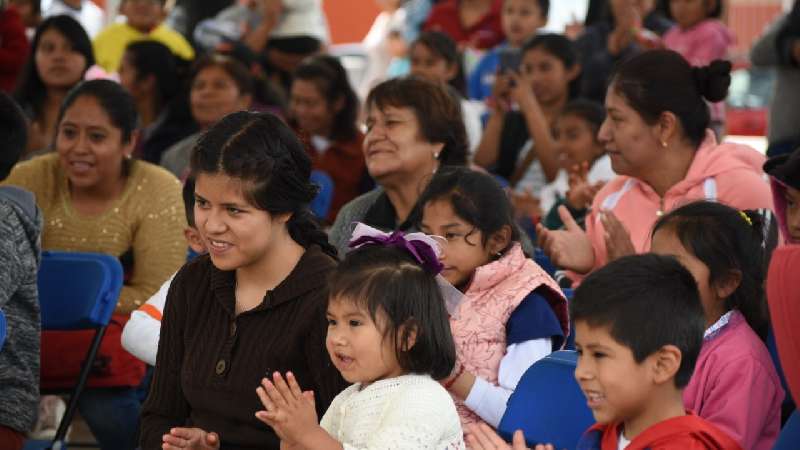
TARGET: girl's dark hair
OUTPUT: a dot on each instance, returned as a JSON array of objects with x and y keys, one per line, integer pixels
[
  {"x": 112, "y": 97},
  {"x": 592, "y": 112},
  {"x": 261, "y": 150},
  {"x": 154, "y": 58},
  {"x": 236, "y": 70},
  {"x": 438, "y": 113},
  {"x": 31, "y": 91},
  {"x": 562, "y": 48},
  {"x": 444, "y": 47},
  {"x": 658, "y": 81},
  {"x": 715, "y": 13},
  {"x": 330, "y": 78},
  {"x": 726, "y": 242},
  {"x": 476, "y": 197},
  {"x": 389, "y": 280}
]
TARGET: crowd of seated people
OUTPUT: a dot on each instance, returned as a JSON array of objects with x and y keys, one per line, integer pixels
[{"x": 496, "y": 193}]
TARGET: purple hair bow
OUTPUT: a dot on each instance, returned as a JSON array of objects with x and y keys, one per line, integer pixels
[{"x": 422, "y": 247}]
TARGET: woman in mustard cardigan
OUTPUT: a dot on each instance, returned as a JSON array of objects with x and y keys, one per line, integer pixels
[{"x": 94, "y": 198}]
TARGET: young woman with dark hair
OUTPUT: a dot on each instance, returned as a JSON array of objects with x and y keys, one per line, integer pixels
[
  {"x": 656, "y": 134},
  {"x": 323, "y": 108},
  {"x": 61, "y": 53},
  {"x": 155, "y": 78},
  {"x": 255, "y": 304},
  {"x": 96, "y": 198}
]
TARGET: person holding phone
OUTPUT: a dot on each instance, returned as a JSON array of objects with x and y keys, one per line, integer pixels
[
  {"x": 521, "y": 20},
  {"x": 517, "y": 143}
]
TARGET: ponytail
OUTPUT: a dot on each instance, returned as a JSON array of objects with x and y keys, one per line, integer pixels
[
  {"x": 262, "y": 150},
  {"x": 306, "y": 231}
]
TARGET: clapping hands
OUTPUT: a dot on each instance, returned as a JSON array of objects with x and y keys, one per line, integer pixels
[
  {"x": 288, "y": 410},
  {"x": 482, "y": 437},
  {"x": 581, "y": 192}
]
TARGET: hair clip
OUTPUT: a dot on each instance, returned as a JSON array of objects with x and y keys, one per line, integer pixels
[
  {"x": 425, "y": 249},
  {"x": 422, "y": 247},
  {"x": 746, "y": 218}
]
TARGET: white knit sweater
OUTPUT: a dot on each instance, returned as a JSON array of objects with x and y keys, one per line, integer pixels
[{"x": 406, "y": 412}]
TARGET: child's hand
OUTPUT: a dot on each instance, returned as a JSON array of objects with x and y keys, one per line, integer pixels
[
  {"x": 569, "y": 248},
  {"x": 521, "y": 91},
  {"x": 581, "y": 193},
  {"x": 482, "y": 437},
  {"x": 526, "y": 204},
  {"x": 289, "y": 411},
  {"x": 500, "y": 93},
  {"x": 617, "y": 237},
  {"x": 190, "y": 438}
]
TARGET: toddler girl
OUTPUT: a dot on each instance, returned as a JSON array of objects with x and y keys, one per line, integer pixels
[{"x": 388, "y": 335}]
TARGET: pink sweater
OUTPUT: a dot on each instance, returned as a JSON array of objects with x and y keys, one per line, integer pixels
[
  {"x": 735, "y": 386},
  {"x": 701, "y": 44},
  {"x": 728, "y": 173}
]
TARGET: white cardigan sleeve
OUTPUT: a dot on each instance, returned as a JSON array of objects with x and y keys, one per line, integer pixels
[
  {"x": 489, "y": 401},
  {"x": 141, "y": 333}
]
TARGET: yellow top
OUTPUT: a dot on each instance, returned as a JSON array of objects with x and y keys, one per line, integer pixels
[
  {"x": 148, "y": 218},
  {"x": 110, "y": 44}
]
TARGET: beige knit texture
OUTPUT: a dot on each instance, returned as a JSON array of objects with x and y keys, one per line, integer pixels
[{"x": 148, "y": 218}]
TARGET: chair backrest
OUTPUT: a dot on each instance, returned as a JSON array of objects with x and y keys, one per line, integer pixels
[
  {"x": 548, "y": 405},
  {"x": 322, "y": 202},
  {"x": 3, "y": 326},
  {"x": 78, "y": 290},
  {"x": 789, "y": 439}
]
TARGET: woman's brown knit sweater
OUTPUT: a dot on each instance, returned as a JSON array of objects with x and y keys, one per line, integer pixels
[{"x": 210, "y": 361}]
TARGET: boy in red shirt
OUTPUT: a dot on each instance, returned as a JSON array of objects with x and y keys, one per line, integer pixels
[{"x": 639, "y": 327}]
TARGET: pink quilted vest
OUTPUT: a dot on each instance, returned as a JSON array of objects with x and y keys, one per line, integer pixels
[{"x": 479, "y": 327}]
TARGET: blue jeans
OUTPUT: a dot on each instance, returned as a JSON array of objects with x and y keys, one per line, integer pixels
[{"x": 112, "y": 415}]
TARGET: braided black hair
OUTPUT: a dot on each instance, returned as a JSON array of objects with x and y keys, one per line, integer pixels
[{"x": 261, "y": 149}]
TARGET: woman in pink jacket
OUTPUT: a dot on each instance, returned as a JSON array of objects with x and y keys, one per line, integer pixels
[{"x": 656, "y": 134}]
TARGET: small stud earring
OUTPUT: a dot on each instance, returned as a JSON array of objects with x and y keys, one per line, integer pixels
[
  {"x": 664, "y": 144},
  {"x": 436, "y": 155}
]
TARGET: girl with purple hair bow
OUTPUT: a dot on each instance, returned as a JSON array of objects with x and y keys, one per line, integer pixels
[{"x": 389, "y": 335}]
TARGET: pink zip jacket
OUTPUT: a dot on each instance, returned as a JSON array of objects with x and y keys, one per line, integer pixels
[
  {"x": 728, "y": 173},
  {"x": 701, "y": 44},
  {"x": 735, "y": 386}
]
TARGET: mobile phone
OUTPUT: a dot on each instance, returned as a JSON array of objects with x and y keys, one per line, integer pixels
[{"x": 509, "y": 60}]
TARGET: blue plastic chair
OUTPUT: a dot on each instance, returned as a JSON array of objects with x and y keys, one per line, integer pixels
[
  {"x": 322, "y": 202},
  {"x": 3, "y": 326},
  {"x": 789, "y": 439},
  {"x": 77, "y": 291},
  {"x": 547, "y": 405}
]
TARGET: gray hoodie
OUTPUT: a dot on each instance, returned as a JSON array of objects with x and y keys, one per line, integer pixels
[{"x": 20, "y": 231}]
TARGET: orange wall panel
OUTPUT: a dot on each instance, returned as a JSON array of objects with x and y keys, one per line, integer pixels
[{"x": 349, "y": 20}]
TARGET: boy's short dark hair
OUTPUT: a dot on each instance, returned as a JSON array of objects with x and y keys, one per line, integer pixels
[
  {"x": 647, "y": 301},
  {"x": 13, "y": 134},
  {"x": 188, "y": 201},
  {"x": 377, "y": 277}
]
